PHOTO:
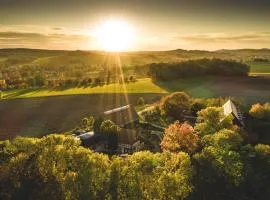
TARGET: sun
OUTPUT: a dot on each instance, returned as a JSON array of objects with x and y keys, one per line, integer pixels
[{"x": 115, "y": 35}]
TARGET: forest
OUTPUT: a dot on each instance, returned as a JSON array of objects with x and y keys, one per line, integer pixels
[{"x": 195, "y": 68}]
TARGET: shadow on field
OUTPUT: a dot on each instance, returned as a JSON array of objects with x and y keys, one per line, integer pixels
[
  {"x": 251, "y": 89},
  {"x": 56, "y": 114},
  {"x": 20, "y": 92}
]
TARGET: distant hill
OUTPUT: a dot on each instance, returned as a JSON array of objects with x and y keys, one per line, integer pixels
[{"x": 11, "y": 57}]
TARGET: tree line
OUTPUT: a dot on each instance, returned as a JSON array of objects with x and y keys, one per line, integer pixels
[{"x": 199, "y": 67}]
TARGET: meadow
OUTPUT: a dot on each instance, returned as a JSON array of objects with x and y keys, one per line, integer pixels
[
  {"x": 140, "y": 86},
  {"x": 260, "y": 68},
  {"x": 249, "y": 88}
]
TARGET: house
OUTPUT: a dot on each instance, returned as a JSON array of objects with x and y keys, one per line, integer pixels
[
  {"x": 88, "y": 139},
  {"x": 86, "y": 135},
  {"x": 128, "y": 141},
  {"x": 230, "y": 108},
  {"x": 122, "y": 116}
]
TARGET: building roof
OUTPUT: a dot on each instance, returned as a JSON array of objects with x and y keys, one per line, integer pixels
[
  {"x": 127, "y": 136},
  {"x": 122, "y": 115},
  {"x": 86, "y": 135},
  {"x": 230, "y": 108}
]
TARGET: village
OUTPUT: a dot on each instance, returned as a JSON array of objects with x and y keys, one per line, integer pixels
[{"x": 136, "y": 133}]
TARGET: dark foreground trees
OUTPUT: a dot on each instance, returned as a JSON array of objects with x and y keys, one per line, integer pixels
[{"x": 57, "y": 167}]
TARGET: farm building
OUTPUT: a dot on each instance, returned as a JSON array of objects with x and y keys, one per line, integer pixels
[
  {"x": 122, "y": 116},
  {"x": 128, "y": 141},
  {"x": 86, "y": 135},
  {"x": 230, "y": 108},
  {"x": 89, "y": 139}
]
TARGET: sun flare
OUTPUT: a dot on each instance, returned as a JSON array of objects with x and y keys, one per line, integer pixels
[{"x": 115, "y": 36}]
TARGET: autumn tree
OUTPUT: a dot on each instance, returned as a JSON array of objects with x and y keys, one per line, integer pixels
[
  {"x": 180, "y": 137},
  {"x": 257, "y": 111},
  {"x": 260, "y": 111},
  {"x": 176, "y": 105}
]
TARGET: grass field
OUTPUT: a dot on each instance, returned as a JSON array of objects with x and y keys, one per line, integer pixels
[
  {"x": 141, "y": 86},
  {"x": 259, "y": 69},
  {"x": 249, "y": 88}
]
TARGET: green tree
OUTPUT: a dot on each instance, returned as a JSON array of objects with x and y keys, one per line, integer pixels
[
  {"x": 53, "y": 167},
  {"x": 176, "y": 105},
  {"x": 217, "y": 172},
  {"x": 87, "y": 123},
  {"x": 225, "y": 138},
  {"x": 211, "y": 120},
  {"x": 110, "y": 132},
  {"x": 96, "y": 125},
  {"x": 134, "y": 175}
]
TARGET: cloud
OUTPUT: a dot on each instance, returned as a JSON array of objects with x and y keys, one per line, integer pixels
[
  {"x": 57, "y": 28},
  {"x": 37, "y": 40},
  {"x": 215, "y": 41},
  {"x": 221, "y": 37}
]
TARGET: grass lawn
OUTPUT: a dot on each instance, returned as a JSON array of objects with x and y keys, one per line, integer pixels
[{"x": 141, "y": 86}]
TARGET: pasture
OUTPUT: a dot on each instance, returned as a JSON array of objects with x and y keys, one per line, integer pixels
[
  {"x": 140, "y": 86},
  {"x": 251, "y": 89},
  {"x": 259, "y": 68}
]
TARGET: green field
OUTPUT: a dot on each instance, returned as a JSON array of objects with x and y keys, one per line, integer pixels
[
  {"x": 141, "y": 86},
  {"x": 259, "y": 69},
  {"x": 250, "y": 88}
]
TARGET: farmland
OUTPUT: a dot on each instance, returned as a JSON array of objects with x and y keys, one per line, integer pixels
[
  {"x": 45, "y": 113},
  {"x": 140, "y": 86},
  {"x": 37, "y": 111},
  {"x": 250, "y": 88},
  {"x": 260, "y": 68}
]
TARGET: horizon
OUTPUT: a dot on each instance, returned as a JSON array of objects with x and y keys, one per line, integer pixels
[
  {"x": 133, "y": 51},
  {"x": 135, "y": 26}
]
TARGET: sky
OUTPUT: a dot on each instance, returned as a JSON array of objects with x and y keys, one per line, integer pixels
[{"x": 157, "y": 24}]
